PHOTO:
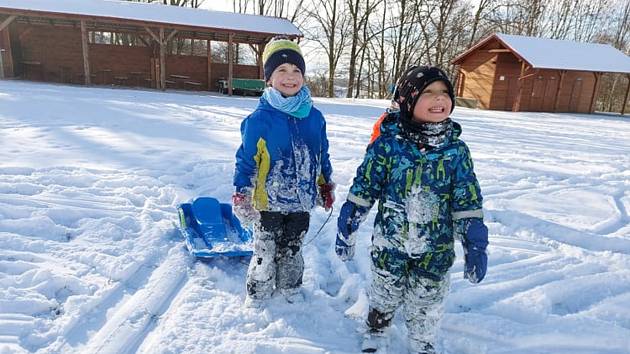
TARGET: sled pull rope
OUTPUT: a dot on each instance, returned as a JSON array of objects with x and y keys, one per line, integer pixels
[{"x": 321, "y": 227}]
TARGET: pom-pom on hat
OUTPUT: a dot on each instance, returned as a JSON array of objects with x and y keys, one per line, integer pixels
[
  {"x": 413, "y": 81},
  {"x": 281, "y": 50}
]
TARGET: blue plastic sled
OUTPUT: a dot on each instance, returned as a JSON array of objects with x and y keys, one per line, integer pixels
[{"x": 211, "y": 230}]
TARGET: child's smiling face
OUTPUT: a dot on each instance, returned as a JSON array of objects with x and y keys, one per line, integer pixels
[
  {"x": 434, "y": 104},
  {"x": 288, "y": 79}
]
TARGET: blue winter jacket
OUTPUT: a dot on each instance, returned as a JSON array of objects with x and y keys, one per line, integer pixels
[
  {"x": 421, "y": 193},
  {"x": 282, "y": 159}
]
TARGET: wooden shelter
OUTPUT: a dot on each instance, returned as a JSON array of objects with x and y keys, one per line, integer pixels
[
  {"x": 518, "y": 73},
  {"x": 128, "y": 43}
]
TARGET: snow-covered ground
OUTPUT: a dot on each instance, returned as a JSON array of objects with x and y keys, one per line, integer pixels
[{"x": 91, "y": 260}]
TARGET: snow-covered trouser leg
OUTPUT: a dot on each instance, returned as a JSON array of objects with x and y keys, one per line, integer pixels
[
  {"x": 261, "y": 275},
  {"x": 289, "y": 261},
  {"x": 423, "y": 309},
  {"x": 386, "y": 290}
]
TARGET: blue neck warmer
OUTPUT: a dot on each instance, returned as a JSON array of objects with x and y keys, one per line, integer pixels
[{"x": 298, "y": 106}]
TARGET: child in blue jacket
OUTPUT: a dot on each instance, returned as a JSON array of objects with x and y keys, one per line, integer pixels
[
  {"x": 282, "y": 171},
  {"x": 422, "y": 174}
]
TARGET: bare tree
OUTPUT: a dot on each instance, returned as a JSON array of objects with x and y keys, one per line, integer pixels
[
  {"x": 434, "y": 18},
  {"x": 382, "y": 91},
  {"x": 613, "y": 86},
  {"x": 483, "y": 8},
  {"x": 182, "y": 3},
  {"x": 292, "y": 10},
  {"x": 330, "y": 31},
  {"x": 360, "y": 11},
  {"x": 622, "y": 31},
  {"x": 521, "y": 18},
  {"x": 404, "y": 37}
]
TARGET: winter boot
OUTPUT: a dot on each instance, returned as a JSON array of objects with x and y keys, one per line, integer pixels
[
  {"x": 422, "y": 348},
  {"x": 374, "y": 337},
  {"x": 293, "y": 295},
  {"x": 373, "y": 341},
  {"x": 253, "y": 303}
]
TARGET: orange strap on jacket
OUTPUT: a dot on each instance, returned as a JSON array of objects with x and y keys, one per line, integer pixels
[{"x": 376, "y": 129}]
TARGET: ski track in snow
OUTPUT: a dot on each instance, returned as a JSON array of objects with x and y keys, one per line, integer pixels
[{"x": 90, "y": 259}]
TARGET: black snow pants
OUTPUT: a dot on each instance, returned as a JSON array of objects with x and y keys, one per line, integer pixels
[{"x": 277, "y": 262}]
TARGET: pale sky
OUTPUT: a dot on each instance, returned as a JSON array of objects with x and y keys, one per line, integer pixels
[{"x": 218, "y": 5}]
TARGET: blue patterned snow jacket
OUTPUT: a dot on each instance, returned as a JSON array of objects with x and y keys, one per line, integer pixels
[
  {"x": 421, "y": 194},
  {"x": 282, "y": 159}
]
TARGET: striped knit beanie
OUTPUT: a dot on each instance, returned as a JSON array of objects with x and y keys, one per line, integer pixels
[
  {"x": 279, "y": 51},
  {"x": 413, "y": 81}
]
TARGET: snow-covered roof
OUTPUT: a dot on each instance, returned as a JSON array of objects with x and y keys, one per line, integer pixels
[
  {"x": 544, "y": 53},
  {"x": 159, "y": 14}
]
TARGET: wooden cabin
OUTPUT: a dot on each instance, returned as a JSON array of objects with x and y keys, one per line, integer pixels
[
  {"x": 518, "y": 73},
  {"x": 129, "y": 43}
]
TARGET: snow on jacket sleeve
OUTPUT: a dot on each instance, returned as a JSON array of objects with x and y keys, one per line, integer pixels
[
  {"x": 325, "y": 158},
  {"x": 371, "y": 174},
  {"x": 246, "y": 166},
  {"x": 467, "y": 199}
]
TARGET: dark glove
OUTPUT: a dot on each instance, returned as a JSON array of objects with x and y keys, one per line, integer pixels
[
  {"x": 244, "y": 209},
  {"x": 475, "y": 242},
  {"x": 326, "y": 196},
  {"x": 350, "y": 216}
]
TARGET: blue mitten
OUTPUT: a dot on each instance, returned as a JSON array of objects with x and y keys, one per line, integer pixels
[
  {"x": 475, "y": 242},
  {"x": 350, "y": 216}
]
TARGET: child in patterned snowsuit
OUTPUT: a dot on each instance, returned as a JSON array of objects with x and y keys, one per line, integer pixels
[
  {"x": 422, "y": 174},
  {"x": 282, "y": 171}
]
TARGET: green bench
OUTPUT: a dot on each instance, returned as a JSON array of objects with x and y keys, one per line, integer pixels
[{"x": 243, "y": 86}]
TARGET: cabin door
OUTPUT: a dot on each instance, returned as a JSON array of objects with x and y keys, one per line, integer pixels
[
  {"x": 538, "y": 94},
  {"x": 551, "y": 86}
]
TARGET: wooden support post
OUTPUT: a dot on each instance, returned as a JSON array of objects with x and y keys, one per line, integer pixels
[
  {"x": 520, "y": 82},
  {"x": 86, "y": 49},
  {"x": 1, "y": 63},
  {"x": 155, "y": 64},
  {"x": 591, "y": 107},
  {"x": 230, "y": 63},
  {"x": 163, "y": 42},
  {"x": 460, "y": 82},
  {"x": 6, "y": 56},
  {"x": 625, "y": 98},
  {"x": 261, "y": 67},
  {"x": 7, "y": 22},
  {"x": 556, "y": 102},
  {"x": 155, "y": 37},
  {"x": 209, "y": 52},
  {"x": 171, "y": 35},
  {"x": 162, "y": 60}
]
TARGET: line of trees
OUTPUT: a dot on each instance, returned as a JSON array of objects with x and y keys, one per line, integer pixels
[{"x": 366, "y": 44}]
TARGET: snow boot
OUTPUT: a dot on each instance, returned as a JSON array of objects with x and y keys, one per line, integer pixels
[
  {"x": 253, "y": 303},
  {"x": 293, "y": 295},
  {"x": 373, "y": 341},
  {"x": 425, "y": 348}
]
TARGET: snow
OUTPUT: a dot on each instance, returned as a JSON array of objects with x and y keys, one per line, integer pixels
[
  {"x": 91, "y": 259},
  {"x": 545, "y": 53},
  {"x": 159, "y": 14}
]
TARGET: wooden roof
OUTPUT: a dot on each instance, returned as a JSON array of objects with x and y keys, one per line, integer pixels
[
  {"x": 544, "y": 53},
  {"x": 133, "y": 16}
]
